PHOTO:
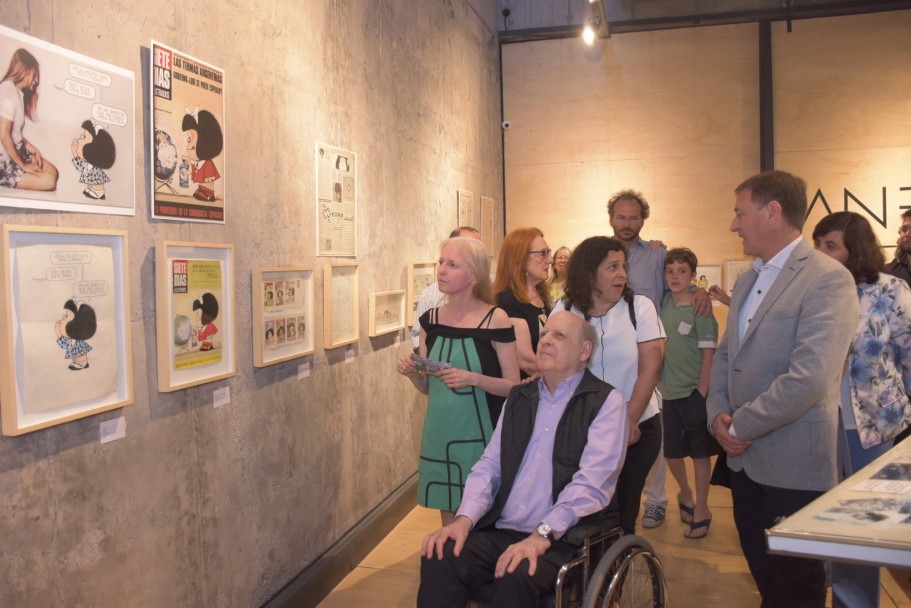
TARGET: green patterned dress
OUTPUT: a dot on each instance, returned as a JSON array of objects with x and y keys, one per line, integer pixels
[{"x": 459, "y": 422}]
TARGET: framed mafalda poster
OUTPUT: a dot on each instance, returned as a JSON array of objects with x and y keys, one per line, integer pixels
[
  {"x": 195, "y": 309},
  {"x": 340, "y": 304},
  {"x": 283, "y": 314},
  {"x": 336, "y": 201},
  {"x": 187, "y": 142},
  {"x": 71, "y": 130},
  {"x": 65, "y": 334}
]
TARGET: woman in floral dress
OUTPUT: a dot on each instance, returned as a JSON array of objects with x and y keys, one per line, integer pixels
[{"x": 874, "y": 396}]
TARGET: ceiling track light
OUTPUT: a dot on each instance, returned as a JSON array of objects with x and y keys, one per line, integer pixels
[{"x": 597, "y": 24}]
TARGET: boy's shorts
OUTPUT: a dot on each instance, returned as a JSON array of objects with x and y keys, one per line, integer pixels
[{"x": 685, "y": 432}]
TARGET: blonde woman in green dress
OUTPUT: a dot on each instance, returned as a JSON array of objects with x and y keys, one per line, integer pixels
[{"x": 464, "y": 401}]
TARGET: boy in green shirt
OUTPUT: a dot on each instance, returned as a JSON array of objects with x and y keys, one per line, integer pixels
[{"x": 691, "y": 343}]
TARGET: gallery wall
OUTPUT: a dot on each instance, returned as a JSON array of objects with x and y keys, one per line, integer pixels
[
  {"x": 207, "y": 506},
  {"x": 675, "y": 114}
]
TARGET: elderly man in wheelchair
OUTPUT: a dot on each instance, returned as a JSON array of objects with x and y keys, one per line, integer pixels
[{"x": 549, "y": 470}]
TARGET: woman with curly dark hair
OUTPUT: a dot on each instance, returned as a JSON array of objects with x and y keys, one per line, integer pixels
[
  {"x": 874, "y": 397},
  {"x": 629, "y": 358}
]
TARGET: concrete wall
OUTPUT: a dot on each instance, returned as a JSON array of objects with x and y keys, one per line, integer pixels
[{"x": 222, "y": 507}]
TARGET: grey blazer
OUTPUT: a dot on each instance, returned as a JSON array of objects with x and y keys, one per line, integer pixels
[{"x": 781, "y": 385}]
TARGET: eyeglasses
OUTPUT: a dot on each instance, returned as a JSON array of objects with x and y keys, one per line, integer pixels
[
  {"x": 562, "y": 258},
  {"x": 903, "y": 229},
  {"x": 544, "y": 253}
]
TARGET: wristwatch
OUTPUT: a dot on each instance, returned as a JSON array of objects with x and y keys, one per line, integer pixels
[{"x": 546, "y": 531}]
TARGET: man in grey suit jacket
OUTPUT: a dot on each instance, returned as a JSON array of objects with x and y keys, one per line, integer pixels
[{"x": 774, "y": 391}]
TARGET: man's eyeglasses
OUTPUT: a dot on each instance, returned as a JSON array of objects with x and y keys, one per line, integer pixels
[
  {"x": 903, "y": 229},
  {"x": 544, "y": 253}
]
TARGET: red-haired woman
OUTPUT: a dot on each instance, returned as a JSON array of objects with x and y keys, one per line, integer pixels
[{"x": 522, "y": 289}]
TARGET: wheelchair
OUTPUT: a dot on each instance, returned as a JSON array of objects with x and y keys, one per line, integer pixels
[{"x": 609, "y": 570}]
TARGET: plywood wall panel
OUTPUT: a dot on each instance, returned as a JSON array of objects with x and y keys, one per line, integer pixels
[
  {"x": 672, "y": 114},
  {"x": 842, "y": 113}
]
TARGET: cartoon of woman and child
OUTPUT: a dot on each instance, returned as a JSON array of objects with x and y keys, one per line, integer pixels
[
  {"x": 77, "y": 325},
  {"x": 204, "y": 142},
  {"x": 21, "y": 164}
]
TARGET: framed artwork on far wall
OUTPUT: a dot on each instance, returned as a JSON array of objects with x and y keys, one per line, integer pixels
[
  {"x": 194, "y": 296},
  {"x": 466, "y": 217},
  {"x": 387, "y": 312},
  {"x": 340, "y": 304},
  {"x": 421, "y": 275},
  {"x": 706, "y": 276},
  {"x": 487, "y": 226},
  {"x": 65, "y": 349},
  {"x": 732, "y": 271},
  {"x": 283, "y": 314}
]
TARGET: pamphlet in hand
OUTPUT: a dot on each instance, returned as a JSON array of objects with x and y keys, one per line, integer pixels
[{"x": 431, "y": 366}]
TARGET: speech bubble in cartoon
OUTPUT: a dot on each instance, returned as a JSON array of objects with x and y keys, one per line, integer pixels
[
  {"x": 80, "y": 89},
  {"x": 87, "y": 289},
  {"x": 109, "y": 115},
  {"x": 71, "y": 257},
  {"x": 90, "y": 75},
  {"x": 60, "y": 274}
]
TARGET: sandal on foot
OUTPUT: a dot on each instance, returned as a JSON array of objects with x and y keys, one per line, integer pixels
[
  {"x": 696, "y": 525},
  {"x": 686, "y": 513}
]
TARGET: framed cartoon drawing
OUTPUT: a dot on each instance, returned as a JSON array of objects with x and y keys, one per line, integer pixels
[
  {"x": 487, "y": 226},
  {"x": 706, "y": 276},
  {"x": 65, "y": 333},
  {"x": 194, "y": 296},
  {"x": 732, "y": 271},
  {"x": 466, "y": 217},
  {"x": 282, "y": 314},
  {"x": 421, "y": 275},
  {"x": 387, "y": 312},
  {"x": 336, "y": 201},
  {"x": 340, "y": 304}
]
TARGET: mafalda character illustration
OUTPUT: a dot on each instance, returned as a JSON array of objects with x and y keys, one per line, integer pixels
[
  {"x": 204, "y": 142},
  {"x": 205, "y": 307},
  {"x": 93, "y": 152},
  {"x": 77, "y": 325}
]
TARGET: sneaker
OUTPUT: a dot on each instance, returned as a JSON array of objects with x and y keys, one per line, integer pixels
[{"x": 653, "y": 516}]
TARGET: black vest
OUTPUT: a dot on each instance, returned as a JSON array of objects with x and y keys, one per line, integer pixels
[{"x": 569, "y": 442}]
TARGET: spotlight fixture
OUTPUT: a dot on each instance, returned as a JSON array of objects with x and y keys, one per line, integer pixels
[
  {"x": 597, "y": 24},
  {"x": 588, "y": 33}
]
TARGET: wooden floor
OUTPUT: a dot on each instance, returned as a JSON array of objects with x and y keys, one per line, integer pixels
[{"x": 705, "y": 573}]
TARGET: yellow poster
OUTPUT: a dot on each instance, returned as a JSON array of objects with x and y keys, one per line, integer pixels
[{"x": 196, "y": 289}]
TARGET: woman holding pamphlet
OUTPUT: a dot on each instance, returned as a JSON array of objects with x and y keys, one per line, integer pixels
[{"x": 464, "y": 400}]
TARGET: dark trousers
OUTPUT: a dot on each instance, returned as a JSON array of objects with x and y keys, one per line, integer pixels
[
  {"x": 783, "y": 581},
  {"x": 639, "y": 460},
  {"x": 450, "y": 582}
]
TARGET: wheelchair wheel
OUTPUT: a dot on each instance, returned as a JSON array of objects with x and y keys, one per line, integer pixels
[{"x": 629, "y": 575}]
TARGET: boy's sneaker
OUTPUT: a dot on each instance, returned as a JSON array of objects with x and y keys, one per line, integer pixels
[{"x": 653, "y": 517}]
